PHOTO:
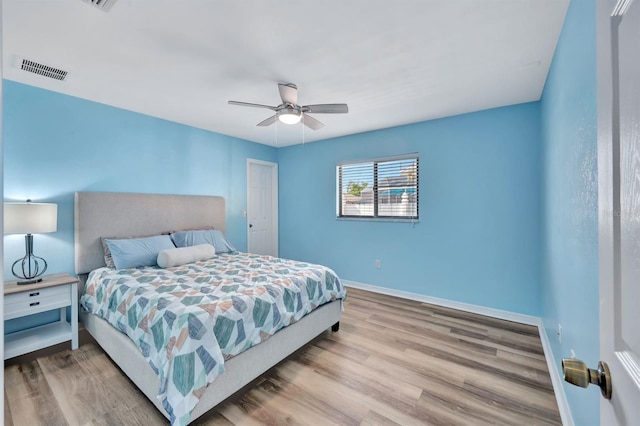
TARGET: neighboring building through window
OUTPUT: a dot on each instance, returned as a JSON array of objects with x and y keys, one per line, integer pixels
[{"x": 385, "y": 188}]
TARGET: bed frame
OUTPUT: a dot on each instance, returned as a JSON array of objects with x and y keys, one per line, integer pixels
[{"x": 109, "y": 214}]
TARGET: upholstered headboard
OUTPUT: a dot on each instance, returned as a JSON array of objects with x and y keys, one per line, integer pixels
[{"x": 116, "y": 214}]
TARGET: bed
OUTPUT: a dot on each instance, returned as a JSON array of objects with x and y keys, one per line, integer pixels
[{"x": 125, "y": 215}]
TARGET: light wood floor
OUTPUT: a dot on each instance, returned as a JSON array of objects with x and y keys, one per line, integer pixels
[{"x": 393, "y": 361}]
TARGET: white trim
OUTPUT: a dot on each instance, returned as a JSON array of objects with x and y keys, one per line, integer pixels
[
  {"x": 407, "y": 156},
  {"x": 261, "y": 162},
  {"x": 556, "y": 379},
  {"x": 274, "y": 201},
  {"x": 397, "y": 219}
]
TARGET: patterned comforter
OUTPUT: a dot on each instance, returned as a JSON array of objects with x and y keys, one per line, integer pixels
[{"x": 187, "y": 320}]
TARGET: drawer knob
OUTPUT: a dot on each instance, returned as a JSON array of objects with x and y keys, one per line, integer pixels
[
  {"x": 34, "y": 304},
  {"x": 37, "y": 293}
]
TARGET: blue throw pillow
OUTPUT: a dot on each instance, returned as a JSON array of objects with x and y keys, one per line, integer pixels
[
  {"x": 136, "y": 252},
  {"x": 208, "y": 236}
]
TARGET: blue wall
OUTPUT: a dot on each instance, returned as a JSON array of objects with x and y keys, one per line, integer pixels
[
  {"x": 55, "y": 145},
  {"x": 478, "y": 237},
  {"x": 569, "y": 282}
]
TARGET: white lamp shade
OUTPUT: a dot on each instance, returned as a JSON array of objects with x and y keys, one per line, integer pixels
[{"x": 30, "y": 218}]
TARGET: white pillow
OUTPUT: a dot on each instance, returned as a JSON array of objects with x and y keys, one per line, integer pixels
[{"x": 179, "y": 256}]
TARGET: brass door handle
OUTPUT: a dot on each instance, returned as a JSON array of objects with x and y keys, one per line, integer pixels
[{"x": 576, "y": 372}]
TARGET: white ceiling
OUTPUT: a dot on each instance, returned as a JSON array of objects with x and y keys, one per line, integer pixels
[{"x": 393, "y": 62}]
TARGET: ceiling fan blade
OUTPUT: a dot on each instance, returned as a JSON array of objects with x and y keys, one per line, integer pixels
[
  {"x": 311, "y": 122},
  {"x": 288, "y": 93},
  {"x": 326, "y": 109},
  {"x": 272, "y": 108},
  {"x": 269, "y": 121}
]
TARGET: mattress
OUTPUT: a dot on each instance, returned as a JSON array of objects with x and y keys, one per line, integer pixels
[{"x": 186, "y": 321}]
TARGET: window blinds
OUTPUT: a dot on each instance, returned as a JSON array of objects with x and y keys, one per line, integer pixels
[{"x": 379, "y": 188}]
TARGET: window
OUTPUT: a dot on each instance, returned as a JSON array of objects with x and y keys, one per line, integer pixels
[{"x": 385, "y": 188}]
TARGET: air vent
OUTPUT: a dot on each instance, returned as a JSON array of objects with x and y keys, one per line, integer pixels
[
  {"x": 43, "y": 70},
  {"x": 104, "y": 5}
]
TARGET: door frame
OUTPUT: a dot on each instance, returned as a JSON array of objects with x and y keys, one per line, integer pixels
[{"x": 274, "y": 201}]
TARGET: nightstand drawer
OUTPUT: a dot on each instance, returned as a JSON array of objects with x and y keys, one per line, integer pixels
[{"x": 34, "y": 301}]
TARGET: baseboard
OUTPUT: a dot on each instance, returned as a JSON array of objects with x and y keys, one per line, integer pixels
[{"x": 556, "y": 379}]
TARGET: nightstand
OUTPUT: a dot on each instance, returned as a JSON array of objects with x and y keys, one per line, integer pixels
[{"x": 53, "y": 292}]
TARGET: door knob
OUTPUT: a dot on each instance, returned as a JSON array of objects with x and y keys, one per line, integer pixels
[
  {"x": 251, "y": 225},
  {"x": 576, "y": 372}
]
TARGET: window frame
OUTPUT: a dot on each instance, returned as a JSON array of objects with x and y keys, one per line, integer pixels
[{"x": 376, "y": 181}]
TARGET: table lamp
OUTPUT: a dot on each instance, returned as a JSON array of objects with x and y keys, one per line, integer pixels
[{"x": 30, "y": 218}]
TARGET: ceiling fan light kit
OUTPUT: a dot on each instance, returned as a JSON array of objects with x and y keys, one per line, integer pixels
[
  {"x": 289, "y": 112},
  {"x": 289, "y": 116}
]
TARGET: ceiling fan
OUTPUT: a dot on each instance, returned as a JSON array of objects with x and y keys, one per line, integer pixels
[{"x": 289, "y": 112}]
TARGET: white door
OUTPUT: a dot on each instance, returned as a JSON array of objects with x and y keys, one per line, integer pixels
[
  {"x": 619, "y": 205},
  {"x": 262, "y": 207},
  {"x": 1, "y": 225}
]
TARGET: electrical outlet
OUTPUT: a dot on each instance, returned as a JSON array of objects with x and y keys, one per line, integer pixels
[
  {"x": 378, "y": 264},
  {"x": 559, "y": 333},
  {"x": 244, "y": 213}
]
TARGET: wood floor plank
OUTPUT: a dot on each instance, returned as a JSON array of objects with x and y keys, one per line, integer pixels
[
  {"x": 373, "y": 307},
  {"x": 456, "y": 411},
  {"x": 365, "y": 340},
  {"x": 538, "y": 361},
  {"x": 264, "y": 406},
  {"x": 443, "y": 347},
  {"x": 130, "y": 416},
  {"x": 531, "y": 411},
  {"x": 73, "y": 385},
  {"x": 420, "y": 376},
  {"x": 513, "y": 391},
  {"x": 481, "y": 320},
  {"x": 236, "y": 414},
  {"x": 381, "y": 392},
  {"x": 30, "y": 398},
  {"x": 8, "y": 418},
  {"x": 394, "y": 362},
  {"x": 366, "y": 397},
  {"x": 313, "y": 388},
  {"x": 512, "y": 371},
  {"x": 357, "y": 372},
  {"x": 375, "y": 419},
  {"x": 398, "y": 328}
]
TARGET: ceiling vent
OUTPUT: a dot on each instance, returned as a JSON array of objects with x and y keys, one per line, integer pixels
[
  {"x": 43, "y": 70},
  {"x": 104, "y": 5}
]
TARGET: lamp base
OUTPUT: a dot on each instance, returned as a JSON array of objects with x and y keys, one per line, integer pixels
[
  {"x": 32, "y": 267},
  {"x": 35, "y": 280}
]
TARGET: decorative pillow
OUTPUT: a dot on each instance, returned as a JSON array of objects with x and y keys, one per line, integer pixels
[
  {"x": 202, "y": 236},
  {"x": 179, "y": 256},
  {"x": 108, "y": 259},
  {"x": 136, "y": 252}
]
